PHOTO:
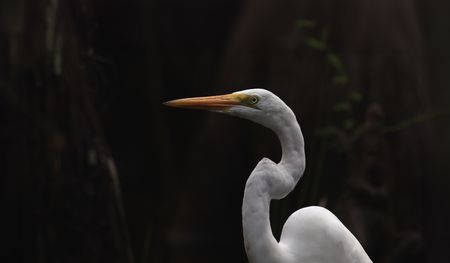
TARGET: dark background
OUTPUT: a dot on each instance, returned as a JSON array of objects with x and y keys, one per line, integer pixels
[{"x": 94, "y": 169}]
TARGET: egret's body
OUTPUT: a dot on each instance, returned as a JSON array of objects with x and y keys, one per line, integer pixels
[{"x": 311, "y": 234}]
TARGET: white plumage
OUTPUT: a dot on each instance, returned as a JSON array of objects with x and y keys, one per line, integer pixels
[{"x": 311, "y": 234}]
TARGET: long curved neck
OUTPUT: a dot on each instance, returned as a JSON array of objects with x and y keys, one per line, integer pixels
[
  {"x": 260, "y": 244},
  {"x": 293, "y": 147}
]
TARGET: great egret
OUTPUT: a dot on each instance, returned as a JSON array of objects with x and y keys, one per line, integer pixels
[{"x": 311, "y": 234}]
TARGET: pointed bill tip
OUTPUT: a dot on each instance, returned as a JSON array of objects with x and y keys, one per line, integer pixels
[{"x": 168, "y": 103}]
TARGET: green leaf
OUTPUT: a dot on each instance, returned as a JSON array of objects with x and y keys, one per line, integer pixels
[
  {"x": 304, "y": 23},
  {"x": 349, "y": 124},
  {"x": 355, "y": 96},
  {"x": 335, "y": 62},
  {"x": 340, "y": 80},
  {"x": 316, "y": 43},
  {"x": 328, "y": 131},
  {"x": 342, "y": 107},
  {"x": 421, "y": 118},
  {"x": 325, "y": 33}
]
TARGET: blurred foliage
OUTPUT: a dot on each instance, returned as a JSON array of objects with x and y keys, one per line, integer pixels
[
  {"x": 419, "y": 119},
  {"x": 338, "y": 128}
]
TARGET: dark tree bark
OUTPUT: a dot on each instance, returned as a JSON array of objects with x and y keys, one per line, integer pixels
[{"x": 59, "y": 188}]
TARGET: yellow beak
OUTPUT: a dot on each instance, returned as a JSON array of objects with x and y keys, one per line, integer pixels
[{"x": 221, "y": 102}]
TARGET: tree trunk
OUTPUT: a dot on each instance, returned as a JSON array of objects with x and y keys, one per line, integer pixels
[{"x": 60, "y": 192}]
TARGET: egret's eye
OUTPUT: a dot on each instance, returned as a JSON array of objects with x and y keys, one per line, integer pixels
[{"x": 253, "y": 100}]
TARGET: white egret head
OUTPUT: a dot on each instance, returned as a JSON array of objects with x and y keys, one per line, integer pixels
[{"x": 258, "y": 105}]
